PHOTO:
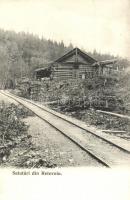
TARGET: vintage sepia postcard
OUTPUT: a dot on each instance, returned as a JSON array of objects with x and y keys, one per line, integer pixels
[{"x": 64, "y": 99}]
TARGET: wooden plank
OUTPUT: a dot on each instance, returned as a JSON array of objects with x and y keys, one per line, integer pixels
[
  {"x": 113, "y": 131},
  {"x": 114, "y": 114}
]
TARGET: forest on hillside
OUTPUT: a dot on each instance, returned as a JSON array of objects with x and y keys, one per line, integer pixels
[{"x": 21, "y": 53}]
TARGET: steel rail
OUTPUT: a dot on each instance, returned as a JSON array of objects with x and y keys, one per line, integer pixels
[
  {"x": 85, "y": 129},
  {"x": 101, "y": 137},
  {"x": 15, "y": 97},
  {"x": 70, "y": 138}
]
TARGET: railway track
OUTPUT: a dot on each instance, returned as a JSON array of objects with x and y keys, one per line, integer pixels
[{"x": 106, "y": 152}]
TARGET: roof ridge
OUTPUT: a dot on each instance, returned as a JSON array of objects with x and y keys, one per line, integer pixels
[{"x": 74, "y": 51}]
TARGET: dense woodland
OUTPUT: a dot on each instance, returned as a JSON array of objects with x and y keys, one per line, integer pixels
[{"x": 21, "y": 53}]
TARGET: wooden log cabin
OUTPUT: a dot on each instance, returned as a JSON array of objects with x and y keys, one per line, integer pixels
[{"x": 75, "y": 65}]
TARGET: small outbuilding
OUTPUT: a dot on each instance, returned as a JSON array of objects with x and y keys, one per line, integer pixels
[{"x": 44, "y": 72}]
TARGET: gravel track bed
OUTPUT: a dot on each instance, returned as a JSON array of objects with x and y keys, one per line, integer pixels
[
  {"x": 55, "y": 147},
  {"x": 105, "y": 151},
  {"x": 51, "y": 144},
  {"x": 6, "y": 99}
]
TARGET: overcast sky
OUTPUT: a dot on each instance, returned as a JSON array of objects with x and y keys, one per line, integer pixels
[{"x": 90, "y": 24}]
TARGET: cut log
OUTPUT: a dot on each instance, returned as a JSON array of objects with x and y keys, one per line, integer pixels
[{"x": 113, "y": 131}]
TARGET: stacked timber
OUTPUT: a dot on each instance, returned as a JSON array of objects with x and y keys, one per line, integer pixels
[{"x": 34, "y": 90}]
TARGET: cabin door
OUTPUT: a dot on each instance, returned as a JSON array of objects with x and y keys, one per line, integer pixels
[{"x": 75, "y": 73}]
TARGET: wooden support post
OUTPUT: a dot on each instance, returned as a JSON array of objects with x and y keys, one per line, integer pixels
[{"x": 76, "y": 59}]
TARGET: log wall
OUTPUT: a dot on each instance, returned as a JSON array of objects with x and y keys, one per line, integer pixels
[{"x": 67, "y": 71}]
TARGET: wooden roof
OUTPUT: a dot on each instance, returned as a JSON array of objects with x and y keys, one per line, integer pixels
[
  {"x": 105, "y": 62},
  {"x": 77, "y": 53}
]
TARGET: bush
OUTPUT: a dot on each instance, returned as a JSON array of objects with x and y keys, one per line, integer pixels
[{"x": 11, "y": 128}]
